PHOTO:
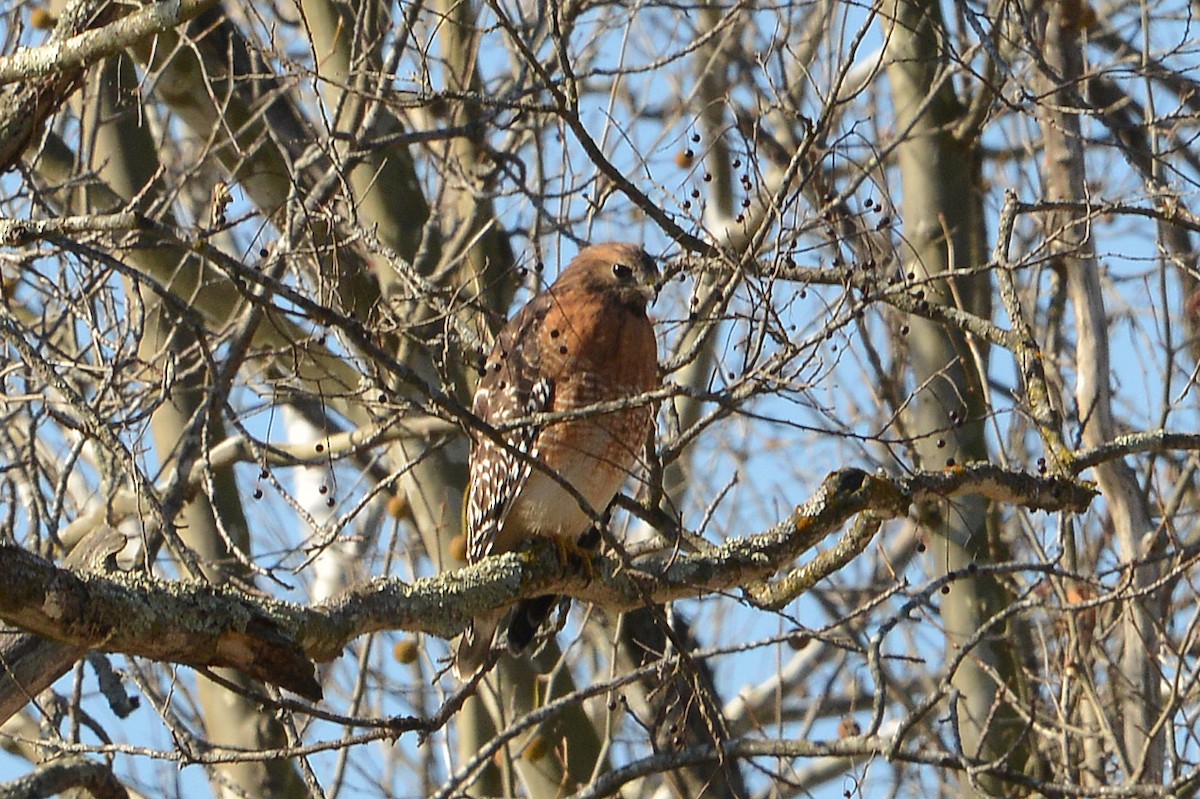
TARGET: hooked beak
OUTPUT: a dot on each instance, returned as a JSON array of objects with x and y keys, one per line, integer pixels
[{"x": 650, "y": 290}]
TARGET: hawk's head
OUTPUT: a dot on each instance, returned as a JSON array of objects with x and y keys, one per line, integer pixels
[{"x": 624, "y": 270}]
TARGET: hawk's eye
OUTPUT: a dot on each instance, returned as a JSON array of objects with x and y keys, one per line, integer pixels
[{"x": 622, "y": 272}]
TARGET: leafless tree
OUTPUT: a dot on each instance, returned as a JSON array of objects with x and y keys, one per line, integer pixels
[{"x": 918, "y": 517}]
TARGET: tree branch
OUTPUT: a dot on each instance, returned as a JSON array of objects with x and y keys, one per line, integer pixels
[
  {"x": 46, "y": 76},
  {"x": 59, "y": 776},
  {"x": 184, "y": 622},
  {"x": 199, "y": 624},
  {"x": 71, "y": 49}
]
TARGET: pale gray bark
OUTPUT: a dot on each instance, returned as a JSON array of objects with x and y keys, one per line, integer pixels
[
  {"x": 1138, "y": 537},
  {"x": 943, "y": 231}
]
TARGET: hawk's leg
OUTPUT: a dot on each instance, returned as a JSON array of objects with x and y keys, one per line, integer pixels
[
  {"x": 530, "y": 614},
  {"x": 577, "y": 555}
]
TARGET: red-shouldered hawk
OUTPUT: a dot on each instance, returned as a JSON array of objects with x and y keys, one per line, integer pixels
[{"x": 584, "y": 340}]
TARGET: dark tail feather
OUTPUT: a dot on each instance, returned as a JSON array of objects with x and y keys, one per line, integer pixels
[{"x": 527, "y": 617}]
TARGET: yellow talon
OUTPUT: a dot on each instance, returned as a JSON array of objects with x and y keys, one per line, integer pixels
[{"x": 573, "y": 557}]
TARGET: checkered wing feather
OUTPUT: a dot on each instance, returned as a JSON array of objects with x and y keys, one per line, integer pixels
[{"x": 511, "y": 389}]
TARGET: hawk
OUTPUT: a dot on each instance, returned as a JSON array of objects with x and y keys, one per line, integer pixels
[{"x": 584, "y": 340}]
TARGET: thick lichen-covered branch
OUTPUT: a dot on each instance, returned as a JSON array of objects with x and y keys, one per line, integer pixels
[
  {"x": 188, "y": 622},
  {"x": 199, "y": 624}
]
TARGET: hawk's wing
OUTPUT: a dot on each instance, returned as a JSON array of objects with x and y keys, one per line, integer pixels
[{"x": 512, "y": 387}]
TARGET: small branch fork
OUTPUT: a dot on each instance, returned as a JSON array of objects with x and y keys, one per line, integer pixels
[{"x": 204, "y": 625}]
